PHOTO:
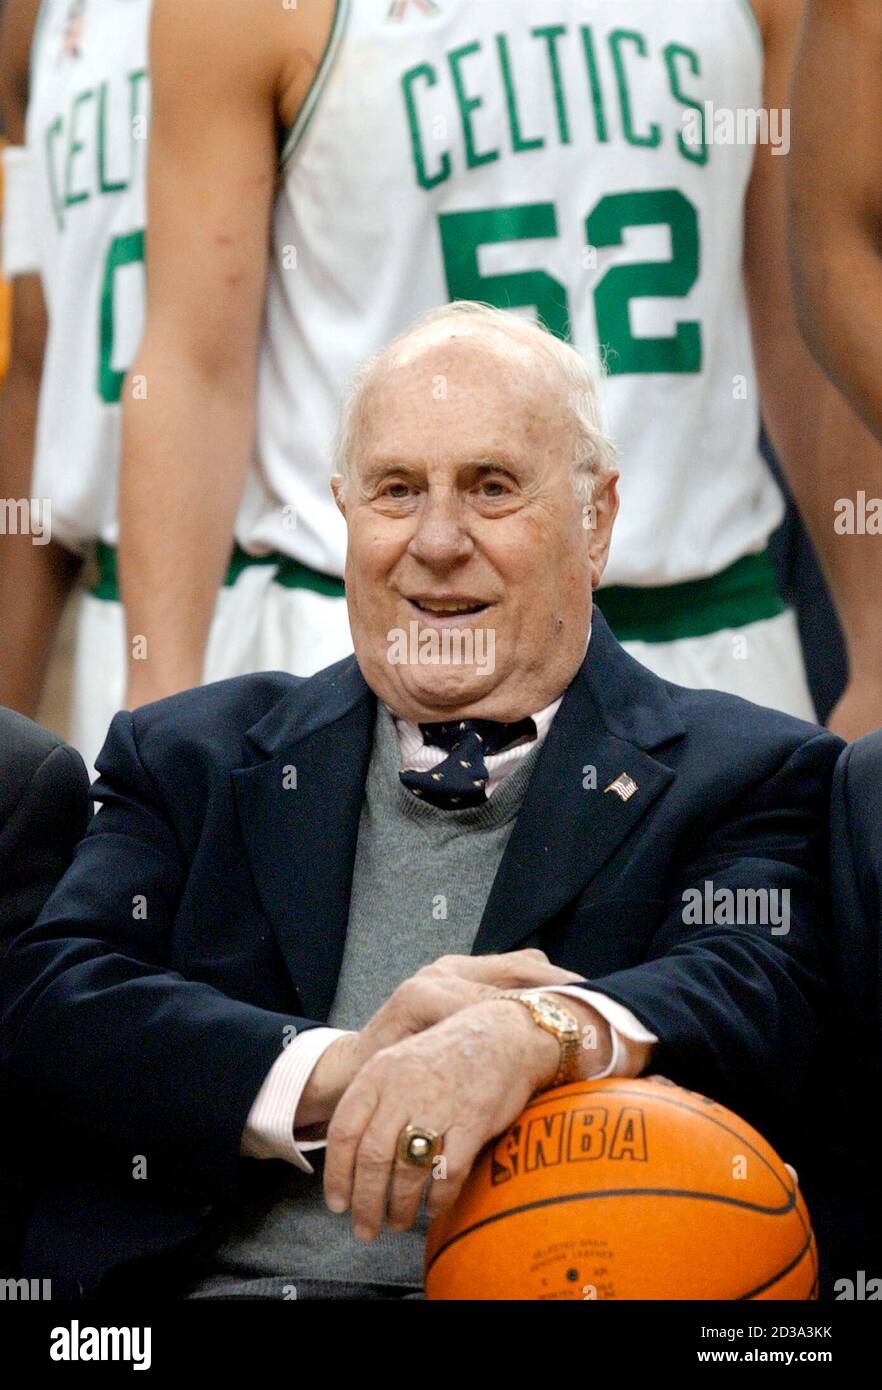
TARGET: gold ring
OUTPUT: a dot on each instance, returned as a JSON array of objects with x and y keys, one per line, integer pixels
[{"x": 418, "y": 1146}]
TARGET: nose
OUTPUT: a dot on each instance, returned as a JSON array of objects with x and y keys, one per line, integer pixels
[{"x": 441, "y": 539}]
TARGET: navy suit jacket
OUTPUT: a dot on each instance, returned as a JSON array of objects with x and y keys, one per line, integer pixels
[
  {"x": 206, "y": 910},
  {"x": 856, "y": 850},
  {"x": 44, "y": 811},
  {"x": 856, "y": 871}
]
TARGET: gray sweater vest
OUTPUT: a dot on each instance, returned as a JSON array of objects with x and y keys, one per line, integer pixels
[{"x": 422, "y": 877}]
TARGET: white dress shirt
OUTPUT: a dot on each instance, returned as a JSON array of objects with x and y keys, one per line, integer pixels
[{"x": 270, "y": 1128}]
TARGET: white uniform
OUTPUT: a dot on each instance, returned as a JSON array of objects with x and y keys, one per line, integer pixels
[
  {"x": 82, "y": 177},
  {"x": 538, "y": 159},
  {"x": 87, "y": 125},
  {"x": 541, "y": 158}
]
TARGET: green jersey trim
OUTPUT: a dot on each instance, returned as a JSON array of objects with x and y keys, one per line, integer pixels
[
  {"x": 296, "y": 132},
  {"x": 753, "y": 22},
  {"x": 291, "y": 574},
  {"x": 744, "y": 593}
]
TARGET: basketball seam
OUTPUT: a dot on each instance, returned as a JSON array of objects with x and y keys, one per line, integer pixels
[
  {"x": 612, "y": 1192},
  {"x": 776, "y": 1278}
]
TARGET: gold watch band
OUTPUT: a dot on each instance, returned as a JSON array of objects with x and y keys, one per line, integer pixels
[{"x": 568, "y": 1036}]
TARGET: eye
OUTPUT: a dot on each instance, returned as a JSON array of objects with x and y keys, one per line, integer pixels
[
  {"x": 493, "y": 487},
  {"x": 396, "y": 490}
]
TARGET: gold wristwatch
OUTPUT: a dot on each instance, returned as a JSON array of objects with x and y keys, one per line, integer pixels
[{"x": 551, "y": 1015}]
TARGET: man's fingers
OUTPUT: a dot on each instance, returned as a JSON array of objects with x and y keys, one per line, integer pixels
[
  {"x": 507, "y": 970},
  {"x": 457, "y": 1160},
  {"x": 385, "y": 1185},
  {"x": 349, "y": 1122},
  {"x": 442, "y": 1181},
  {"x": 524, "y": 974},
  {"x": 453, "y": 982},
  {"x": 373, "y": 1173},
  {"x": 427, "y": 999},
  {"x": 405, "y": 1190}
]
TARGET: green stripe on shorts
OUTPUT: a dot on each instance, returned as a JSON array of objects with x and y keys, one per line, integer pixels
[
  {"x": 744, "y": 593},
  {"x": 291, "y": 574}
]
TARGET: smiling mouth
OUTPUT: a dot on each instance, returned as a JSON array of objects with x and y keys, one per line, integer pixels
[{"x": 448, "y": 608}]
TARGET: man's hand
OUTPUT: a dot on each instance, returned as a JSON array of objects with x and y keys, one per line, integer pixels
[
  {"x": 434, "y": 993},
  {"x": 466, "y": 1078}
]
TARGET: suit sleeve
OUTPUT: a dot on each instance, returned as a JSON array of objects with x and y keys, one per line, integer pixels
[
  {"x": 740, "y": 1009},
  {"x": 97, "y": 1020},
  {"x": 856, "y": 871},
  {"x": 38, "y": 839}
]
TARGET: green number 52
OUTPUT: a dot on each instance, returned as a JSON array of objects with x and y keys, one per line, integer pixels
[{"x": 462, "y": 233}]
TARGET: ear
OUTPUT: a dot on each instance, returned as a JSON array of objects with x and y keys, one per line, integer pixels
[
  {"x": 604, "y": 509},
  {"x": 337, "y": 487}
]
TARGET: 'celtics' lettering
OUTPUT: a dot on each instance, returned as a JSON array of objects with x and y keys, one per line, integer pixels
[
  {"x": 78, "y": 143},
  {"x": 607, "y": 101}
]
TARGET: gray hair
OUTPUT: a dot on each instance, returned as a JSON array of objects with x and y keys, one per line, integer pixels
[{"x": 595, "y": 456}]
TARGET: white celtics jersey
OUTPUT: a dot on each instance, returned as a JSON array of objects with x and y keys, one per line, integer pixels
[
  {"x": 557, "y": 158},
  {"x": 87, "y": 126}
]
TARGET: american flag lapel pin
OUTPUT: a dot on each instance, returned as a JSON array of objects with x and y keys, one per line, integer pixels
[{"x": 623, "y": 786}]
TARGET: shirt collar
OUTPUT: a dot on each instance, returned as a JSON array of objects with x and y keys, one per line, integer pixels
[{"x": 420, "y": 757}]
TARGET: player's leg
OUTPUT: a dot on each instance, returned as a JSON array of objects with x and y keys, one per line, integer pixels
[
  {"x": 761, "y": 661},
  {"x": 278, "y": 617},
  {"x": 98, "y": 673}
]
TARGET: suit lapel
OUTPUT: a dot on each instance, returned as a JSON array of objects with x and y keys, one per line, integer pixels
[
  {"x": 569, "y": 824},
  {"x": 301, "y": 840}
]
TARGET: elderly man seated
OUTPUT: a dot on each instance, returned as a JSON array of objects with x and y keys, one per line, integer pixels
[{"x": 286, "y": 970}]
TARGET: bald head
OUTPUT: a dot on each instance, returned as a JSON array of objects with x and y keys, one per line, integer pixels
[{"x": 528, "y": 350}]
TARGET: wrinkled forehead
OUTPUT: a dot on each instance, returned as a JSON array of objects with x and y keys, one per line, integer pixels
[
  {"x": 469, "y": 345},
  {"x": 467, "y": 387}
]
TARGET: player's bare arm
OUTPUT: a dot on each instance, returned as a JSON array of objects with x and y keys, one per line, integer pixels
[
  {"x": 836, "y": 196},
  {"x": 823, "y": 448},
  {"x": 17, "y": 19},
  {"x": 34, "y": 579},
  {"x": 228, "y": 76}
]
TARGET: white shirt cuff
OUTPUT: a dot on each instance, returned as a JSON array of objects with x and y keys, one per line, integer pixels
[
  {"x": 624, "y": 1028},
  {"x": 269, "y": 1129}
]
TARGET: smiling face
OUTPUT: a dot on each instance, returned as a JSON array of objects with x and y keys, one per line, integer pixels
[{"x": 464, "y": 523}]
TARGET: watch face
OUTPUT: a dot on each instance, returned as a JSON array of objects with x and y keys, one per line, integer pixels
[{"x": 555, "y": 1015}]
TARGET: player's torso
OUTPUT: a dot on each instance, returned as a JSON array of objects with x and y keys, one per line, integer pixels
[
  {"x": 554, "y": 157},
  {"x": 87, "y": 128}
]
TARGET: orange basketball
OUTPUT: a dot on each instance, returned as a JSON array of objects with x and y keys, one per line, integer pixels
[{"x": 623, "y": 1189}]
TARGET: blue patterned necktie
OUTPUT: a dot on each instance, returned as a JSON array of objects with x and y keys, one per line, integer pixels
[{"x": 461, "y": 780}]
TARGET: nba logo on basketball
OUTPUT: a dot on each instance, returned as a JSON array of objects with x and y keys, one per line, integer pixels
[{"x": 569, "y": 1136}]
